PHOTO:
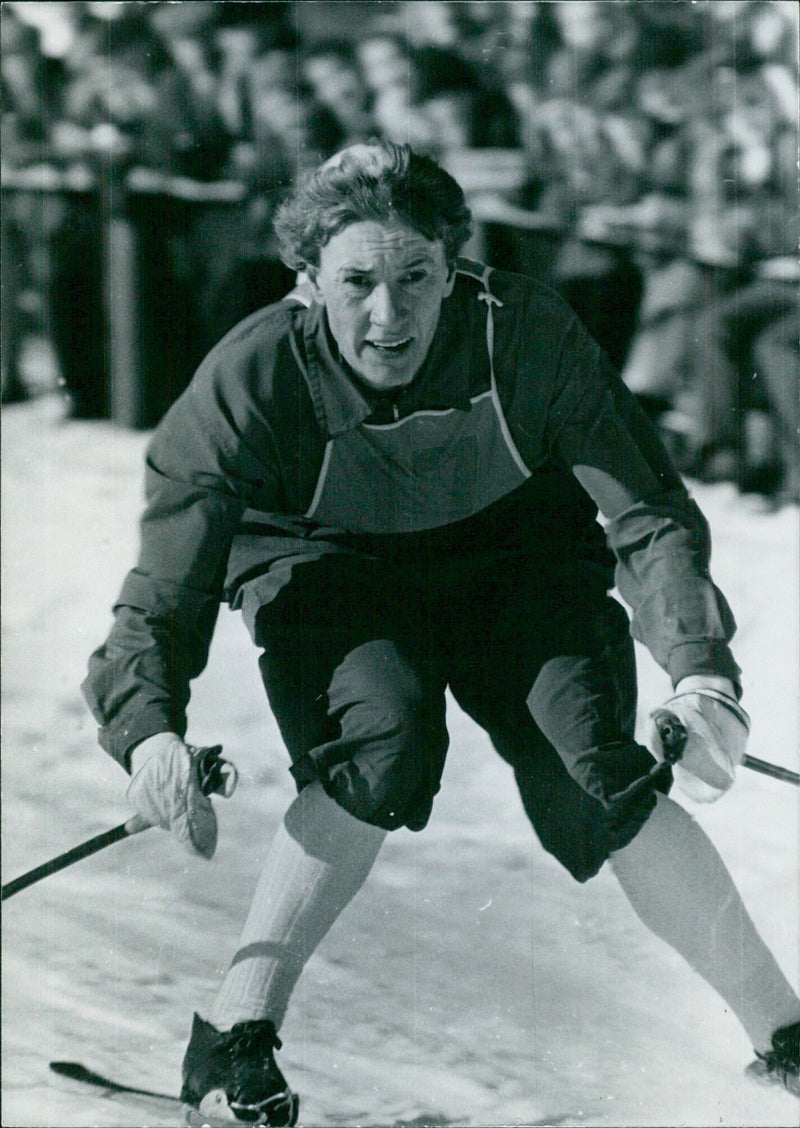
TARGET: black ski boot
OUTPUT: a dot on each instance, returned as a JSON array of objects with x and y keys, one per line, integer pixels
[
  {"x": 232, "y": 1077},
  {"x": 781, "y": 1064}
]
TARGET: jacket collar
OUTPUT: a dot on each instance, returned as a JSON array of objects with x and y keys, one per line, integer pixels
[{"x": 442, "y": 382}]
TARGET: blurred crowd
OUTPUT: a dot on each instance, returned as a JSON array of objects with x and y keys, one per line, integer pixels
[{"x": 639, "y": 156}]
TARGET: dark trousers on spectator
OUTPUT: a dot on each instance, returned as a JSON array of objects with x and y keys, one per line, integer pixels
[{"x": 748, "y": 360}]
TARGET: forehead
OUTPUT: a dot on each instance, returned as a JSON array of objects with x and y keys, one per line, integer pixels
[{"x": 370, "y": 244}]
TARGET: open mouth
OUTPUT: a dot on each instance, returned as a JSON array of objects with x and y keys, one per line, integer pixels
[{"x": 390, "y": 348}]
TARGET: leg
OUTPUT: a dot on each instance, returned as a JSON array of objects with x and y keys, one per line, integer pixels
[
  {"x": 679, "y": 886},
  {"x": 363, "y": 717},
  {"x": 583, "y": 699},
  {"x": 592, "y": 793},
  {"x": 668, "y": 868},
  {"x": 318, "y": 861},
  {"x": 584, "y": 783},
  {"x": 775, "y": 352}
]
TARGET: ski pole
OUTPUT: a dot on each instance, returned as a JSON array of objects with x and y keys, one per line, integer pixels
[
  {"x": 69, "y": 857},
  {"x": 214, "y": 774},
  {"x": 673, "y": 736}
]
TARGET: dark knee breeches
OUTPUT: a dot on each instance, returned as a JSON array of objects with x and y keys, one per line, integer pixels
[
  {"x": 356, "y": 670},
  {"x": 357, "y": 693}
]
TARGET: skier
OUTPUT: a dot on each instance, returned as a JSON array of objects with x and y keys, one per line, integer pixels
[{"x": 395, "y": 474}]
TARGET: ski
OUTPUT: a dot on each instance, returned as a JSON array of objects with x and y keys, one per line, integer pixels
[
  {"x": 168, "y": 1104},
  {"x": 77, "y": 1072}
]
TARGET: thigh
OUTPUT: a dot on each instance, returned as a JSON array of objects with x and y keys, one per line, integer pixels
[
  {"x": 583, "y": 697},
  {"x": 523, "y": 630},
  {"x": 554, "y": 685},
  {"x": 356, "y": 688},
  {"x": 569, "y": 823}
]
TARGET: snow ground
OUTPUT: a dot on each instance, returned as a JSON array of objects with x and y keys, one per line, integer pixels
[{"x": 470, "y": 983}]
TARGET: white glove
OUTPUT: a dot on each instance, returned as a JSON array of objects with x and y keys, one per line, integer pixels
[
  {"x": 166, "y": 789},
  {"x": 716, "y": 728}
]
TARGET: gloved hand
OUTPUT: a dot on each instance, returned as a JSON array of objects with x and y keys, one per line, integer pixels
[
  {"x": 716, "y": 728},
  {"x": 170, "y": 788}
]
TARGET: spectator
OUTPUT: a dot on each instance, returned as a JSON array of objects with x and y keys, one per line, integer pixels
[
  {"x": 333, "y": 73},
  {"x": 747, "y": 367},
  {"x": 658, "y": 366},
  {"x": 465, "y": 111},
  {"x": 188, "y": 134},
  {"x": 105, "y": 112},
  {"x": 28, "y": 95},
  {"x": 243, "y": 34},
  {"x": 288, "y": 129},
  {"x": 632, "y": 118},
  {"x": 391, "y": 74}
]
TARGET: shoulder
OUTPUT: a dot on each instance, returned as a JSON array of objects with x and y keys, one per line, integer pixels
[
  {"x": 259, "y": 335},
  {"x": 516, "y": 292},
  {"x": 257, "y": 356},
  {"x": 535, "y": 329},
  {"x": 248, "y": 382}
]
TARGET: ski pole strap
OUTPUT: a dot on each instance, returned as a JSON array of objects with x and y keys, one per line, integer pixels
[
  {"x": 724, "y": 699},
  {"x": 215, "y": 775}
]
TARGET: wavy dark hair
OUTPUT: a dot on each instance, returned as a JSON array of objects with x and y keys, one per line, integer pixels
[{"x": 377, "y": 180}]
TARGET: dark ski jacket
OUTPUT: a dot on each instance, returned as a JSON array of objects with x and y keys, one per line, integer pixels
[{"x": 232, "y": 469}]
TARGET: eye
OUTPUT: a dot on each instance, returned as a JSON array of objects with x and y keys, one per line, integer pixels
[
  {"x": 359, "y": 281},
  {"x": 413, "y": 277}
]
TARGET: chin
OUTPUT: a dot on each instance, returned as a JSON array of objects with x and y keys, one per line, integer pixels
[
  {"x": 386, "y": 382},
  {"x": 385, "y": 378}
]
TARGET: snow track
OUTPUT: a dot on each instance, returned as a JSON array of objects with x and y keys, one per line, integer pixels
[{"x": 470, "y": 983}]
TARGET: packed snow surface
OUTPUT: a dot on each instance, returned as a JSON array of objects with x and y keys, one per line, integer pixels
[{"x": 472, "y": 982}]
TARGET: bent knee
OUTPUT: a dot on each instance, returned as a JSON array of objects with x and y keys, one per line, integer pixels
[
  {"x": 584, "y": 831},
  {"x": 391, "y": 781},
  {"x": 388, "y": 804}
]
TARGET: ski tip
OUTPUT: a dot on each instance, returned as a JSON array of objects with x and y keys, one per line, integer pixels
[{"x": 75, "y": 1070}]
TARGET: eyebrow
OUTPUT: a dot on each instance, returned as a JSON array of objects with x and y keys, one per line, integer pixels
[{"x": 420, "y": 260}]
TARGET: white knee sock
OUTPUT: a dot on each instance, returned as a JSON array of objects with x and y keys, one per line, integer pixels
[
  {"x": 679, "y": 886},
  {"x": 318, "y": 861}
]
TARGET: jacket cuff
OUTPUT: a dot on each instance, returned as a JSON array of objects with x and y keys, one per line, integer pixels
[
  {"x": 704, "y": 656},
  {"x": 120, "y": 742}
]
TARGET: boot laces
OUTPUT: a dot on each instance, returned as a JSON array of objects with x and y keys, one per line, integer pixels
[
  {"x": 254, "y": 1038},
  {"x": 253, "y": 1043}
]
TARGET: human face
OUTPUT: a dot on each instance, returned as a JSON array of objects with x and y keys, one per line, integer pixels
[
  {"x": 383, "y": 62},
  {"x": 382, "y": 286}
]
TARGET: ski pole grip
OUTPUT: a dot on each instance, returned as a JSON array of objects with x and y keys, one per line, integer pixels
[
  {"x": 215, "y": 776},
  {"x": 672, "y": 734}
]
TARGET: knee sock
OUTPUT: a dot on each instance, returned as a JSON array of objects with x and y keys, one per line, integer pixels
[
  {"x": 679, "y": 887},
  {"x": 318, "y": 861}
]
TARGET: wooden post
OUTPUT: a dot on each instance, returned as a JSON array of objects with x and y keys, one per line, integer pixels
[{"x": 124, "y": 321}]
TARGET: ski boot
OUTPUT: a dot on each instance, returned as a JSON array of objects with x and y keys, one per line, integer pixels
[
  {"x": 232, "y": 1078},
  {"x": 781, "y": 1064}
]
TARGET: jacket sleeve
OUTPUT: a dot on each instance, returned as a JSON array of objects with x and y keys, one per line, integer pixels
[
  {"x": 657, "y": 533},
  {"x": 201, "y": 471}
]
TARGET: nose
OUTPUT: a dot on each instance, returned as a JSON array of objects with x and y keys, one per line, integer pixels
[{"x": 384, "y": 309}]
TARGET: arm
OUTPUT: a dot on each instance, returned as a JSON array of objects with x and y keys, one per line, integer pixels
[
  {"x": 201, "y": 471},
  {"x": 658, "y": 535}
]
